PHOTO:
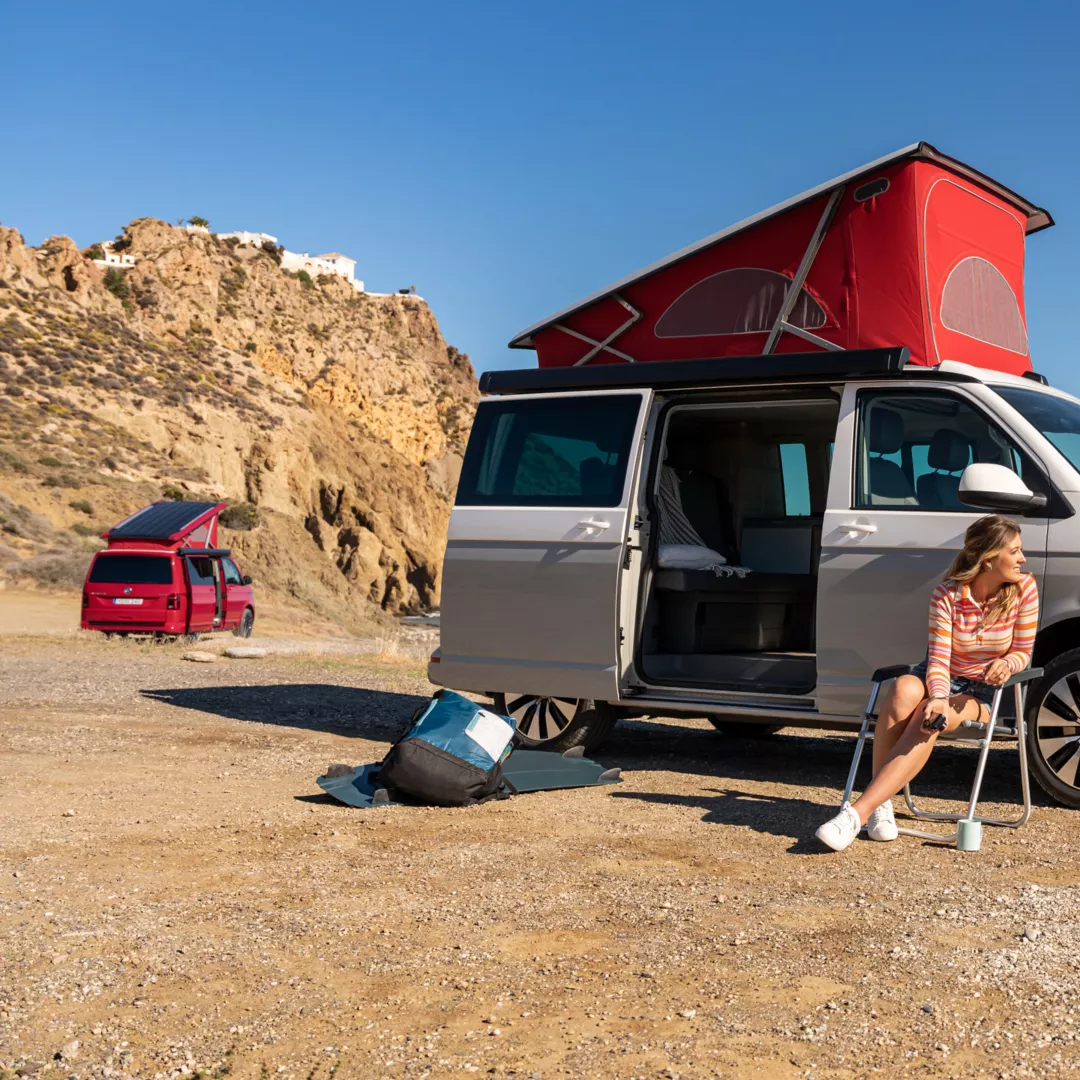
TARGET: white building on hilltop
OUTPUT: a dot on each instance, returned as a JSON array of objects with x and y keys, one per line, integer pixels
[
  {"x": 112, "y": 258},
  {"x": 331, "y": 263},
  {"x": 257, "y": 239}
]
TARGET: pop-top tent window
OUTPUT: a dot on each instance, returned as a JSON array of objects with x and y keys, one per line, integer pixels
[
  {"x": 979, "y": 303},
  {"x": 746, "y": 300}
]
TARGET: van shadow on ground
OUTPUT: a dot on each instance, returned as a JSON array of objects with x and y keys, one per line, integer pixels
[
  {"x": 796, "y": 760},
  {"x": 342, "y": 710}
]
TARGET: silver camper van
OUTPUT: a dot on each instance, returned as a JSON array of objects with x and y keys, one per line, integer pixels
[{"x": 826, "y": 494}]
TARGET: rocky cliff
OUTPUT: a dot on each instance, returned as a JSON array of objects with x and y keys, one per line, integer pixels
[{"x": 337, "y": 418}]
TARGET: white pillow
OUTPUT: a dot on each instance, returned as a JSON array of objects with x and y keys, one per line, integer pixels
[{"x": 688, "y": 557}]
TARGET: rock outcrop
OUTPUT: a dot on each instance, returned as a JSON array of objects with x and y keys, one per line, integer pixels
[{"x": 207, "y": 370}]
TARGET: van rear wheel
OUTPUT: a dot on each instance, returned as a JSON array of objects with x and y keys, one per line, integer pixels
[
  {"x": 1053, "y": 729},
  {"x": 548, "y": 723}
]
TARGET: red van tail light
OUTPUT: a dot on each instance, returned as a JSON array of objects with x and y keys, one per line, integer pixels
[
  {"x": 173, "y": 602},
  {"x": 85, "y": 599}
]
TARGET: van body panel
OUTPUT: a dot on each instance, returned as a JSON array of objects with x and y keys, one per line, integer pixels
[
  {"x": 130, "y": 590},
  {"x": 879, "y": 566},
  {"x": 530, "y": 593}
]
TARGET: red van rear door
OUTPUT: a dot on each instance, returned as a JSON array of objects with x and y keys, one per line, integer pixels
[{"x": 124, "y": 588}]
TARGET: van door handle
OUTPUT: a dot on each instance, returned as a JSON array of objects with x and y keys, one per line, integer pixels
[
  {"x": 591, "y": 525},
  {"x": 855, "y": 527}
]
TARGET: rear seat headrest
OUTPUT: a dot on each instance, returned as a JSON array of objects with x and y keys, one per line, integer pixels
[
  {"x": 949, "y": 451},
  {"x": 886, "y": 431}
]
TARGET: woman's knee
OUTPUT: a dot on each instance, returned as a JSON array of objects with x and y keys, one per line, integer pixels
[{"x": 903, "y": 697}]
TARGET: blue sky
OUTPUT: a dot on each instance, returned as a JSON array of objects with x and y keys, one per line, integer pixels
[{"x": 508, "y": 159}]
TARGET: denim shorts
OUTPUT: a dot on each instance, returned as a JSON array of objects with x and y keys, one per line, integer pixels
[{"x": 959, "y": 684}]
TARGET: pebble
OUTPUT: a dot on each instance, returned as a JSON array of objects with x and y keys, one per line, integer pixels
[
  {"x": 68, "y": 1052},
  {"x": 1032, "y": 933},
  {"x": 929, "y": 1007},
  {"x": 688, "y": 1014},
  {"x": 245, "y": 652},
  {"x": 198, "y": 657},
  {"x": 68, "y": 813}
]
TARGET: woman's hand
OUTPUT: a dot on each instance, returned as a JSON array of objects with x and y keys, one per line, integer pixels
[
  {"x": 934, "y": 708},
  {"x": 997, "y": 672}
]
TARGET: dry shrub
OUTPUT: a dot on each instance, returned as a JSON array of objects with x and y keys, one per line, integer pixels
[
  {"x": 22, "y": 522},
  {"x": 395, "y": 649},
  {"x": 56, "y": 568}
]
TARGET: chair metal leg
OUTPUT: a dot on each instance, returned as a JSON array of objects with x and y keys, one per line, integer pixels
[
  {"x": 970, "y": 817},
  {"x": 860, "y": 742}
]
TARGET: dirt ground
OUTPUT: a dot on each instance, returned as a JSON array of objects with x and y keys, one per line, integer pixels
[{"x": 177, "y": 897}]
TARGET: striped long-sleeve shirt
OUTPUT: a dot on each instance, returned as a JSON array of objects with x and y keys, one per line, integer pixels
[{"x": 960, "y": 645}]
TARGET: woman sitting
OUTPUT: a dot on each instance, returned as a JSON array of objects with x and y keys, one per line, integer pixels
[{"x": 983, "y": 618}]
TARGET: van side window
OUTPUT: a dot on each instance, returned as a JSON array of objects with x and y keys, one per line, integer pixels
[
  {"x": 232, "y": 575},
  {"x": 549, "y": 452},
  {"x": 913, "y": 447},
  {"x": 796, "y": 478},
  {"x": 200, "y": 570}
]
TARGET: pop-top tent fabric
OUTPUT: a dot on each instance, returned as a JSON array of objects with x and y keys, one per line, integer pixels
[{"x": 915, "y": 249}]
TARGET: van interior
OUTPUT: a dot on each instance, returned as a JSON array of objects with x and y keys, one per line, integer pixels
[{"x": 749, "y": 480}]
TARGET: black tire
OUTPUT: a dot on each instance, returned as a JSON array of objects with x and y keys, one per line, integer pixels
[
  {"x": 1053, "y": 729},
  {"x": 558, "y": 724},
  {"x": 744, "y": 731},
  {"x": 188, "y": 639},
  {"x": 247, "y": 621}
]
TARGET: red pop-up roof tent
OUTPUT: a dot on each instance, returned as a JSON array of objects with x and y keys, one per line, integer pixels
[
  {"x": 176, "y": 526},
  {"x": 914, "y": 249}
]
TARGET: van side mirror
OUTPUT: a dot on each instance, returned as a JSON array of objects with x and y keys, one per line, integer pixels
[
  {"x": 246, "y": 579},
  {"x": 994, "y": 487}
]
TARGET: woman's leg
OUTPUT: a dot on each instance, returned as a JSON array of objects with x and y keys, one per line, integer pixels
[
  {"x": 899, "y": 703},
  {"x": 911, "y": 752}
]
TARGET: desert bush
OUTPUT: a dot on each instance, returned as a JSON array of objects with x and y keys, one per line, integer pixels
[
  {"x": 174, "y": 493},
  {"x": 55, "y": 568},
  {"x": 250, "y": 347},
  {"x": 82, "y": 506},
  {"x": 273, "y": 250},
  {"x": 13, "y": 461},
  {"x": 94, "y": 251},
  {"x": 304, "y": 278},
  {"x": 240, "y": 518},
  {"x": 50, "y": 461},
  {"x": 82, "y": 528},
  {"x": 116, "y": 283},
  {"x": 21, "y": 521},
  {"x": 122, "y": 242},
  {"x": 61, "y": 480}
]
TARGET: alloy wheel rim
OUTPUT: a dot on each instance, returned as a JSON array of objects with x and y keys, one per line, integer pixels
[
  {"x": 1057, "y": 729},
  {"x": 541, "y": 718}
]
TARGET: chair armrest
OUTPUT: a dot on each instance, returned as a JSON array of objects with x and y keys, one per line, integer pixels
[
  {"x": 883, "y": 674},
  {"x": 1025, "y": 676}
]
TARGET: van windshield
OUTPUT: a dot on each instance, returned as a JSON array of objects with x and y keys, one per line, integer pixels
[
  {"x": 132, "y": 570},
  {"x": 561, "y": 451},
  {"x": 1057, "y": 418}
]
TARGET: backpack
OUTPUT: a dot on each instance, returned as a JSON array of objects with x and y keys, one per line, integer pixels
[{"x": 452, "y": 754}]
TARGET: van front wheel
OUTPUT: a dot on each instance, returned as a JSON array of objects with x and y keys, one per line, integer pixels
[
  {"x": 547, "y": 723},
  {"x": 1053, "y": 729}
]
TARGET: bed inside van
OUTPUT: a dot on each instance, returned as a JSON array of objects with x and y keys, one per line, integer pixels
[{"x": 747, "y": 480}]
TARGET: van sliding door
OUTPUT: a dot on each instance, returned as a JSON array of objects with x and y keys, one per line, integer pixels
[{"x": 536, "y": 543}]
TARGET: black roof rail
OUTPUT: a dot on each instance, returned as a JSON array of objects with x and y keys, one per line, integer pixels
[
  {"x": 673, "y": 374},
  {"x": 1034, "y": 376}
]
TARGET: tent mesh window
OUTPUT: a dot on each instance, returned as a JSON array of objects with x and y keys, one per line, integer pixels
[
  {"x": 978, "y": 302},
  {"x": 746, "y": 300}
]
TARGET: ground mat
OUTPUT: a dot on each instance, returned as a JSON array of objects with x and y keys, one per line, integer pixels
[{"x": 526, "y": 770}]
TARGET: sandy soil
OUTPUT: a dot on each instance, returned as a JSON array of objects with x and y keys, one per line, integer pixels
[{"x": 177, "y": 897}]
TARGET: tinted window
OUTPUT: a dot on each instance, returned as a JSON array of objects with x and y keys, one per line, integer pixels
[
  {"x": 913, "y": 447},
  {"x": 1057, "y": 418},
  {"x": 552, "y": 452},
  {"x": 232, "y": 575},
  {"x": 200, "y": 570},
  {"x": 796, "y": 479},
  {"x": 132, "y": 570}
]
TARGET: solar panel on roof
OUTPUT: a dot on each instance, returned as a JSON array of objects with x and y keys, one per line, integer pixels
[{"x": 160, "y": 521}]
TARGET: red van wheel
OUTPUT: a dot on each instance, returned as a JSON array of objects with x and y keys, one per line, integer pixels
[{"x": 247, "y": 621}]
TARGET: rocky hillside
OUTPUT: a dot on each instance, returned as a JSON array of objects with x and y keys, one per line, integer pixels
[{"x": 336, "y": 418}]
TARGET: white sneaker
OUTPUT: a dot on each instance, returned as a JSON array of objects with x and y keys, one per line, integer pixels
[
  {"x": 838, "y": 832},
  {"x": 881, "y": 825}
]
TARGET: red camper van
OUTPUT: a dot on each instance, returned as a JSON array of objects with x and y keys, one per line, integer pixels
[{"x": 163, "y": 574}]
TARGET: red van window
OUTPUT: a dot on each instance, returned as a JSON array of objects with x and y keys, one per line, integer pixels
[{"x": 132, "y": 570}]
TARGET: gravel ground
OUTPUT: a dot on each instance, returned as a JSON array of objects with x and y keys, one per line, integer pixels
[{"x": 178, "y": 898}]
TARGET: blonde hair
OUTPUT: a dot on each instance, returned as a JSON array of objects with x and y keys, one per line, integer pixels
[{"x": 984, "y": 539}]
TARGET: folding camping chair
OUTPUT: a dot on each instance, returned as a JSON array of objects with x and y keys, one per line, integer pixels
[{"x": 968, "y": 833}]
